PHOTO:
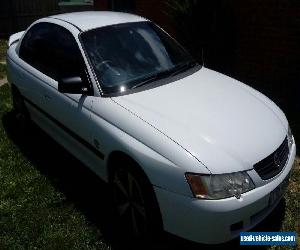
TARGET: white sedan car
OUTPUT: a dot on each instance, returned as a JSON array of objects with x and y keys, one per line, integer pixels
[{"x": 185, "y": 149}]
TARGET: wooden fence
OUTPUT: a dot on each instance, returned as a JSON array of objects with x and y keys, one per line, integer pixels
[{"x": 16, "y": 15}]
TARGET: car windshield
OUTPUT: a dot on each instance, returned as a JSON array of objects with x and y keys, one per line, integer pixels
[{"x": 127, "y": 56}]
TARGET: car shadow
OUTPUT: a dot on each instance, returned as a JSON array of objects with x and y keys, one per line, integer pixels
[
  {"x": 90, "y": 195},
  {"x": 68, "y": 175}
]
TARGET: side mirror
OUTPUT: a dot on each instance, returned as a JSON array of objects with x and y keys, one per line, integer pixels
[{"x": 72, "y": 85}]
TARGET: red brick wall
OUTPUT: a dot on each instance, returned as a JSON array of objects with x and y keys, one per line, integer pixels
[
  {"x": 154, "y": 10},
  {"x": 268, "y": 45},
  {"x": 101, "y": 4}
]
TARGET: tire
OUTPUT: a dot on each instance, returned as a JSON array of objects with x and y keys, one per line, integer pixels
[
  {"x": 21, "y": 113},
  {"x": 137, "y": 212}
]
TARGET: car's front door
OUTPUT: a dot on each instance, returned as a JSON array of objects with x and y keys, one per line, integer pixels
[{"x": 64, "y": 116}]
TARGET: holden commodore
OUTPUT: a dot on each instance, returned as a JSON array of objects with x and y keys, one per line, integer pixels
[{"x": 183, "y": 148}]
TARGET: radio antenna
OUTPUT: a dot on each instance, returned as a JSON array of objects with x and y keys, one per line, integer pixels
[{"x": 203, "y": 56}]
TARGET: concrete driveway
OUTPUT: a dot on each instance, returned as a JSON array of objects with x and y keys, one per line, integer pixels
[{"x": 3, "y": 81}]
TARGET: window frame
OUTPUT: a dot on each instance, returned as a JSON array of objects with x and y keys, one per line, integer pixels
[{"x": 84, "y": 74}]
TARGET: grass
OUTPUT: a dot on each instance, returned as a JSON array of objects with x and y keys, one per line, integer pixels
[
  {"x": 34, "y": 212},
  {"x": 48, "y": 200},
  {"x": 3, "y": 48},
  {"x": 2, "y": 71}
]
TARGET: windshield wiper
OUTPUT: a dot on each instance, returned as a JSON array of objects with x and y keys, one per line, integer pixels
[
  {"x": 183, "y": 67},
  {"x": 152, "y": 78},
  {"x": 169, "y": 72}
]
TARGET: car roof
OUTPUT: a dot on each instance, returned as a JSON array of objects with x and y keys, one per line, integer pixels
[{"x": 94, "y": 19}]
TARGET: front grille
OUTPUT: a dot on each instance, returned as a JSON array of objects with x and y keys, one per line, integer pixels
[{"x": 274, "y": 163}]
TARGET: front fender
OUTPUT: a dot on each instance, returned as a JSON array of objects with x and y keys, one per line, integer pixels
[{"x": 163, "y": 160}]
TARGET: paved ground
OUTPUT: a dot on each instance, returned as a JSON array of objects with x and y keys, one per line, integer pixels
[{"x": 3, "y": 81}]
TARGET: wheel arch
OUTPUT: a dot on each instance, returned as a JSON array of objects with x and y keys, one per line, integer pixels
[
  {"x": 116, "y": 157},
  {"x": 119, "y": 156}
]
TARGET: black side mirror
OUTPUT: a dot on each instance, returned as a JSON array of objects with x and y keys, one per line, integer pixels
[{"x": 72, "y": 85}]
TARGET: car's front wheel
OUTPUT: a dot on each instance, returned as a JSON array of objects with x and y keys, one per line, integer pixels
[{"x": 137, "y": 211}]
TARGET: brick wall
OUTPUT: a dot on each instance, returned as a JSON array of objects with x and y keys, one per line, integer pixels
[
  {"x": 155, "y": 10},
  {"x": 266, "y": 51},
  {"x": 101, "y": 4},
  {"x": 267, "y": 47}
]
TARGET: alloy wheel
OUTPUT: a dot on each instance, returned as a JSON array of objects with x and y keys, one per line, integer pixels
[{"x": 130, "y": 203}]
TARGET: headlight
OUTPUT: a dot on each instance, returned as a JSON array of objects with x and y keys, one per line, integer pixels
[
  {"x": 219, "y": 186},
  {"x": 290, "y": 138}
]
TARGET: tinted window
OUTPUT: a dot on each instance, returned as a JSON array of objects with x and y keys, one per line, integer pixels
[
  {"x": 125, "y": 55},
  {"x": 52, "y": 50}
]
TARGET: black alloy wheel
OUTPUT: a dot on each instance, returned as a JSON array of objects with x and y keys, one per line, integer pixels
[{"x": 137, "y": 211}]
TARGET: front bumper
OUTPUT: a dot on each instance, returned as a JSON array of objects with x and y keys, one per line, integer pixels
[{"x": 217, "y": 221}]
